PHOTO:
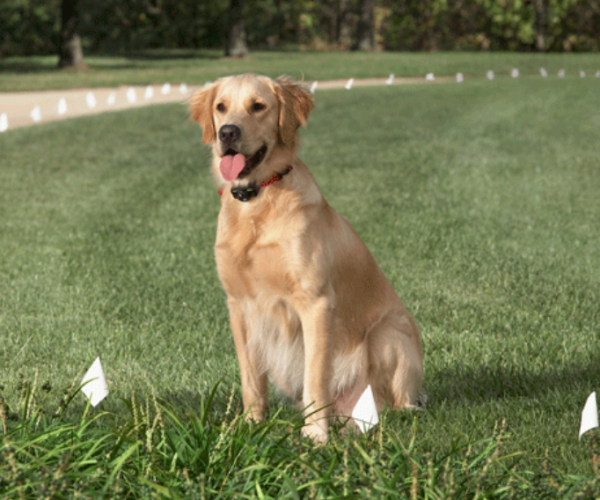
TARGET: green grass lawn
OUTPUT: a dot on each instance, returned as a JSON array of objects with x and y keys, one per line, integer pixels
[
  {"x": 198, "y": 66},
  {"x": 479, "y": 201}
]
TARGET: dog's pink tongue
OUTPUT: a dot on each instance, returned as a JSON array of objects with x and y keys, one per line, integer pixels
[{"x": 231, "y": 166}]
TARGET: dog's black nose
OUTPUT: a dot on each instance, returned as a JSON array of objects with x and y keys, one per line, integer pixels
[{"x": 228, "y": 134}]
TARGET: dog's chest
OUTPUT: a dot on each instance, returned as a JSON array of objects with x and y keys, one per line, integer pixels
[
  {"x": 251, "y": 258},
  {"x": 253, "y": 265}
]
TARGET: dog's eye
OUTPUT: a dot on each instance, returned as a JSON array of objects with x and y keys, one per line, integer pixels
[
  {"x": 221, "y": 107},
  {"x": 258, "y": 106}
]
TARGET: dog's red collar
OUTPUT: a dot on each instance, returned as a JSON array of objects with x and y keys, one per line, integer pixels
[{"x": 249, "y": 192}]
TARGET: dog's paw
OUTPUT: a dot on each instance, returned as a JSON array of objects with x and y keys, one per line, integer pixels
[
  {"x": 422, "y": 401},
  {"x": 254, "y": 415},
  {"x": 317, "y": 432}
]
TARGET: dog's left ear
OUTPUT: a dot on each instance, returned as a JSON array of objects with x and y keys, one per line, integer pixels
[
  {"x": 201, "y": 105},
  {"x": 295, "y": 104}
]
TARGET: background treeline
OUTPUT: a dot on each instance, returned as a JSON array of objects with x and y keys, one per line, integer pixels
[{"x": 32, "y": 26}]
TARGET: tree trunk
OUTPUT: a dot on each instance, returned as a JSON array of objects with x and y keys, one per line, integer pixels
[
  {"x": 70, "y": 53},
  {"x": 540, "y": 25},
  {"x": 236, "y": 42},
  {"x": 343, "y": 31},
  {"x": 365, "y": 37}
]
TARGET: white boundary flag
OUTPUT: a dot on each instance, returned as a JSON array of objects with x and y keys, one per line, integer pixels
[
  {"x": 589, "y": 416},
  {"x": 3, "y": 122},
  {"x": 365, "y": 412},
  {"x": 131, "y": 95},
  {"x": 36, "y": 114},
  {"x": 90, "y": 99},
  {"x": 96, "y": 388},
  {"x": 62, "y": 106}
]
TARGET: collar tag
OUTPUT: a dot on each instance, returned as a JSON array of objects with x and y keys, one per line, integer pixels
[{"x": 245, "y": 193}]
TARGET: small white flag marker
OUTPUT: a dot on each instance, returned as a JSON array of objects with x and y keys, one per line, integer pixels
[
  {"x": 62, "y": 106},
  {"x": 149, "y": 92},
  {"x": 589, "y": 416},
  {"x": 514, "y": 73},
  {"x": 183, "y": 88},
  {"x": 131, "y": 95},
  {"x": 365, "y": 412},
  {"x": 3, "y": 122},
  {"x": 459, "y": 77},
  {"x": 597, "y": 74},
  {"x": 96, "y": 388},
  {"x": 349, "y": 84},
  {"x": 90, "y": 99},
  {"x": 582, "y": 74},
  {"x": 36, "y": 114},
  {"x": 489, "y": 75},
  {"x": 390, "y": 79},
  {"x": 561, "y": 73},
  {"x": 429, "y": 77},
  {"x": 111, "y": 99},
  {"x": 313, "y": 87},
  {"x": 166, "y": 89},
  {"x": 544, "y": 73}
]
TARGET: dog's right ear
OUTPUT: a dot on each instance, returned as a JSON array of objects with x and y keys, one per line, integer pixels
[{"x": 201, "y": 106}]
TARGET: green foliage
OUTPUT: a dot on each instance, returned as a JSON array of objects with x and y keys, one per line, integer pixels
[
  {"x": 31, "y": 27},
  {"x": 114, "y": 25},
  {"x": 491, "y": 25}
]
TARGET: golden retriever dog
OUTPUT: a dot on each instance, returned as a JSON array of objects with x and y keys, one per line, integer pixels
[{"x": 309, "y": 307}]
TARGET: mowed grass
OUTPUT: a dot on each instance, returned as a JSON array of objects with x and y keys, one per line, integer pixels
[
  {"x": 199, "y": 66},
  {"x": 480, "y": 203}
]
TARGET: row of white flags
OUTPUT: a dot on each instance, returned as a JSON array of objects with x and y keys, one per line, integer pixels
[
  {"x": 490, "y": 75},
  {"x": 131, "y": 95},
  {"x": 365, "y": 414},
  {"x": 92, "y": 102}
]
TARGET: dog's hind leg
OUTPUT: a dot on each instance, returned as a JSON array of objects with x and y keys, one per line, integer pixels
[{"x": 395, "y": 362}]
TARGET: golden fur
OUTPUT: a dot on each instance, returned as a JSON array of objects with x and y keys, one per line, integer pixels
[{"x": 308, "y": 304}]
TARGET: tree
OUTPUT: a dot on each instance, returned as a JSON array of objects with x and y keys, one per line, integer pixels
[
  {"x": 236, "y": 42},
  {"x": 540, "y": 25},
  {"x": 365, "y": 37},
  {"x": 70, "y": 53},
  {"x": 337, "y": 16}
]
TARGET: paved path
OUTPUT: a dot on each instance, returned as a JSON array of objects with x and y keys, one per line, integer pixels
[{"x": 18, "y": 106}]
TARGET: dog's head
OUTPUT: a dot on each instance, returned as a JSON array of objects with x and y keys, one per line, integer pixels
[{"x": 250, "y": 120}]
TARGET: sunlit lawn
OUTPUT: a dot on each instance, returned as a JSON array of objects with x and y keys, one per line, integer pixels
[
  {"x": 199, "y": 66},
  {"x": 479, "y": 201}
]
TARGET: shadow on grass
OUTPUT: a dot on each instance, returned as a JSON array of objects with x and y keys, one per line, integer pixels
[
  {"x": 22, "y": 67},
  {"x": 168, "y": 54},
  {"x": 489, "y": 383},
  {"x": 45, "y": 64}
]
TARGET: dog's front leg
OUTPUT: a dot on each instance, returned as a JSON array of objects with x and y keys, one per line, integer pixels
[
  {"x": 316, "y": 327},
  {"x": 254, "y": 379}
]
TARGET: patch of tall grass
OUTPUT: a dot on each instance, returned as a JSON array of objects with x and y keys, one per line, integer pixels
[{"x": 54, "y": 447}]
